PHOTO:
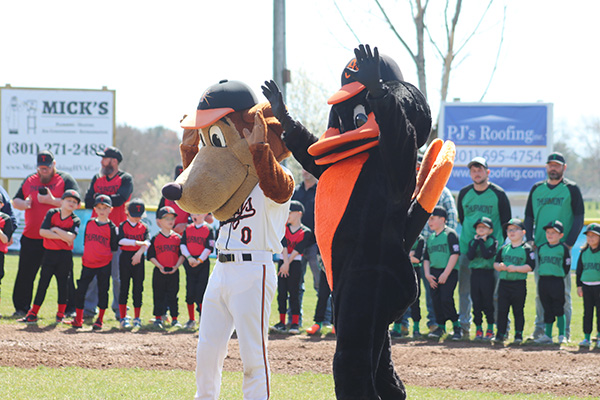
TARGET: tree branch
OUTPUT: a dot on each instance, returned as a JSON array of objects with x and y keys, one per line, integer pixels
[
  {"x": 395, "y": 31},
  {"x": 476, "y": 27},
  {"x": 497, "y": 55},
  {"x": 346, "y": 22}
]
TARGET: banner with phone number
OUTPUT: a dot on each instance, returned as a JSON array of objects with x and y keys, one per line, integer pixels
[
  {"x": 515, "y": 139},
  {"x": 72, "y": 124}
]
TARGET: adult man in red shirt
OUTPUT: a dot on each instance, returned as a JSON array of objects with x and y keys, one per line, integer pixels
[
  {"x": 38, "y": 193},
  {"x": 118, "y": 185}
]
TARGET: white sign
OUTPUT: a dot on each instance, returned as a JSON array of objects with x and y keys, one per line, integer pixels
[{"x": 72, "y": 124}]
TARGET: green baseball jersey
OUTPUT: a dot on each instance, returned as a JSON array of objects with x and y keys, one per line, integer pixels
[
  {"x": 418, "y": 249},
  {"x": 520, "y": 255},
  {"x": 554, "y": 260},
  {"x": 588, "y": 266},
  {"x": 548, "y": 203},
  {"x": 481, "y": 254},
  {"x": 472, "y": 205},
  {"x": 440, "y": 247}
]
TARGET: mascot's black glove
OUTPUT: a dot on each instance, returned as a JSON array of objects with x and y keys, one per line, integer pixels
[
  {"x": 273, "y": 94},
  {"x": 367, "y": 71}
]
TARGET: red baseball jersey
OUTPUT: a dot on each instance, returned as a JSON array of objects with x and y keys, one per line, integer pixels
[
  {"x": 197, "y": 239},
  {"x": 137, "y": 232},
  {"x": 118, "y": 188},
  {"x": 6, "y": 226},
  {"x": 298, "y": 240},
  {"x": 69, "y": 224},
  {"x": 99, "y": 242},
  {"x": 165, "y": 249},
  {"x": 30, "y": 187}
]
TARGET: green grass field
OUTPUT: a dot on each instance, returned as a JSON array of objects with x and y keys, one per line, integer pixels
[{"x": 47, "y": 383}]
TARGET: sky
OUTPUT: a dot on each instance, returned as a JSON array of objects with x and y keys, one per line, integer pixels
[{"x": 160, "y": 56}]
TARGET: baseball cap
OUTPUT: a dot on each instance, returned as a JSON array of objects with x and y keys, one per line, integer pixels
[
  {"x": 166, "y": 210},
  {"x": 111, "y": 152},
  {"x": 485, "y": 221},
  {"x": 136, "y": 208},
  {"x": 178, "y": 170},
  {"x": 103, "y": 199},
  {"x": 45, "y": 158},
  {"x": 515, "y": 222},
  {"x": 556, "y": 157},
  {"x": 593, "y": 228},
  {"x": 295, "y": 205},
  {"x": 71, "y": 193},
  {"x": 478, "y": 160},
  {"x": 556, "y": 225},
  {"x": 219, "y": 100},
  {"x": 440, "y": 212},
  {"x": 388, "y": 70}
]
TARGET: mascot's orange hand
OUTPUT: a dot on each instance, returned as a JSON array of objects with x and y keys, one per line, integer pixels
[
  {"x": 190, "y": 136},
  {"x": 259, "y": 131}
]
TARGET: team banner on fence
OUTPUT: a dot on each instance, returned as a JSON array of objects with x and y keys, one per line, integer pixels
[
  {"x": 72, "y": 124},
  {"x": 515, "y": 139}
]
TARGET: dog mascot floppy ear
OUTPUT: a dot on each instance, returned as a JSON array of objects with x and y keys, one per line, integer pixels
[
  {"x": 369, "y": 210},
  {"x": 231, "y": 149}
]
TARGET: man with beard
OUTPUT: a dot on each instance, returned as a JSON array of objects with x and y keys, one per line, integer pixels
[
  {"x": 482, "y": 198},
  {"x": 38, "y": 193},
  {"x": 118, "y": 185},
  {"x": 556, "y": 198}
]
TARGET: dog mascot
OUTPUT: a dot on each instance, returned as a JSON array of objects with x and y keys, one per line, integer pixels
[
  {"x": 369, "y": 209},
  {"x": 231, "y": 149}
]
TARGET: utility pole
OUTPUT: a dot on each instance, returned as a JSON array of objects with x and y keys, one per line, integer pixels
[{"x": 281, "y": 75}]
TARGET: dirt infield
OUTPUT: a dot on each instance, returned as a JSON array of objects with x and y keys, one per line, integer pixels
[{"x": 459, "y": 365}]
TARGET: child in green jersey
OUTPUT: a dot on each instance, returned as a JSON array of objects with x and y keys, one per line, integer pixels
[
  {"x": 588, "y": 282},
  {"x": 481, "y": 252},
  {"x": 513, "y": 261},
  {"x": 554, "y": 264},
  {"x": 441, "y": 255}
]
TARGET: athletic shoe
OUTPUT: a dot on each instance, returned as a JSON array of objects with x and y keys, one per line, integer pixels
[
  {"x": 175, "y": 324},
  {"x": 313, "y": 330},
  {"x": 562, "y": 339},
  {"x": 499, "y": 338},
  {"x": 19, "y": 314},
  {"x": 158, "y": 324},
  {"x": 75, "y": 324},
  {"x": 97, "y": 325},
  {"x": 125, "y": 324},
  {"x": 457, "y": 334},
  {"x": 489, "y": 334},
  {"x": 518, "y": 338},
  {"x": 29, "y": 319},
  {"x": 438, "y": 333},
  {"x": 597, "y": 347},
  {"x": 294, "y": 329},
  {"x": 191, "y": 324},
  {"x": 544, "y": 339},
  {"x": 137, "y": 322},
  {"x": 279, "y": 327},
  {"x": 585, "y": 343},
  {"x": 538, "y": 333},
  {"x": 394, "y": 334},
  {"x": 59, "y": 318},
  {"x": 479, "y": 334},
  {"x": 416, "y": 335}
]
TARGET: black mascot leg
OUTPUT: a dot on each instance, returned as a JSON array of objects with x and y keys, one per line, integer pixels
[{"x": 362, "y": 364}]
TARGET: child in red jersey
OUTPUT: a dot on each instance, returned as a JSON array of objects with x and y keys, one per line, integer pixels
[
  {"x": 165, "y": 254},
  {"x": 99, "y": 242},
  {"x": 59, "y": 229},
  {"x": 6, "y": 231},
  {"x": 297, "y": 238},
  {"x": 197, "y": 243},
  {"x": 133, "y": 239}
]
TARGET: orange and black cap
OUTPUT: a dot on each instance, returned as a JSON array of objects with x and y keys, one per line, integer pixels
[
  {"x": 219, "y": 100},
  {"x": 388, "y": 70}
]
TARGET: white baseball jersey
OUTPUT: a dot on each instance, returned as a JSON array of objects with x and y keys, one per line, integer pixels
[{"x": 259, "y": 224}]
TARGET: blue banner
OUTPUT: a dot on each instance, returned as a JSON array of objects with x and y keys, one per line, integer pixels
[{"x": 513, "y": 179}]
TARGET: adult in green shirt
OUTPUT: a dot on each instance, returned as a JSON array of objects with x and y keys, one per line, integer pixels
[
  {"x": 555, "y": 198},
  {"x": 482, "y": 198}
]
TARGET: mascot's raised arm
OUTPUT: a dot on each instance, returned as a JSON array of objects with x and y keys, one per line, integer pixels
[
  {"x": 231, "y": 150},
  {"x": 369, "y": 209}
]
